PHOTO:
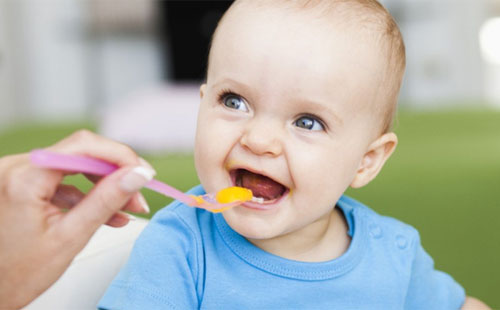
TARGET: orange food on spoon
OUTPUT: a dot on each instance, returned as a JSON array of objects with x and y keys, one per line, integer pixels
[{"x": 233, "y": 194}]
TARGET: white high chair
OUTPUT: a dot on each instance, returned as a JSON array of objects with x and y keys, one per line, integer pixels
[{"x": 92, "y": 270}]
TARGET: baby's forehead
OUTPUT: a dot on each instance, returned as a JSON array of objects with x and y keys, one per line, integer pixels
[
  {"x": 274, "y": 36},
  {"x": 362, "y": 16},
  {"x": 362, "y": 26}
]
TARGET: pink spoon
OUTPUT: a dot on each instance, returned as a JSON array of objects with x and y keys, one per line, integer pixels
[{"x": 94, "y": 166}]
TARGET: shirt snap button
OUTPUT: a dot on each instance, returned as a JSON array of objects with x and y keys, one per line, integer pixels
[
  {"x": 375, "y": 231},
  {"x": 401, "y": 241}
]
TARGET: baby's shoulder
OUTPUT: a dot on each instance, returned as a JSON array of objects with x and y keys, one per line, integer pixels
[
  {"x": 395, "y": 228},
  {"x": 180, "y": 217},
  {"x": 175, "y": 228},
  {"x": 375, "y": 221},
  {"x": 390, "y": 244},
  {"x": 386, "y": 235}
]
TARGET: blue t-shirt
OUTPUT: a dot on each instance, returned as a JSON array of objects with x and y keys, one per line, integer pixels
[{"x": 189, "y": 258}]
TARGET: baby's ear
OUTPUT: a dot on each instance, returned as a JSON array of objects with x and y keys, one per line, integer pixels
[
  {"x": 202, "y": 90},
  {"x": 374, "y": 159}
]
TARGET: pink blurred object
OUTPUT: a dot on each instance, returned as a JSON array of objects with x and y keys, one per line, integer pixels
[{"x": 156, "y": 119}]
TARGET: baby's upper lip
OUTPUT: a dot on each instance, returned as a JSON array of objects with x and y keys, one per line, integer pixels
[{"x": 257, "y": 171}]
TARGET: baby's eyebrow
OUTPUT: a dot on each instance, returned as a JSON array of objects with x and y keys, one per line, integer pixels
[{"x": 231, "y": 82}]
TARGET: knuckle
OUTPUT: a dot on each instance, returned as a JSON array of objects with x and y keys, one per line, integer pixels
[
  {"x": 127, "y": 152},
  {"x": 82, "y": 135},
  {"x": 12, "y": 184},
  {"x": 15, "y": 178}
]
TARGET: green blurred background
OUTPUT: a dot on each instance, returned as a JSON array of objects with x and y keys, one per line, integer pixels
[{"x": 444, "y": 179}]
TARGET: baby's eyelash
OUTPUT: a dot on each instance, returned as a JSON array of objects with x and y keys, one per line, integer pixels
[
  {"x": 224, "y": 93},
  {"x": 317, "y": 118}
]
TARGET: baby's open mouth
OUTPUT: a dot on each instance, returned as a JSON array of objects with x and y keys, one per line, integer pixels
[{"x": 260, "y": 185}]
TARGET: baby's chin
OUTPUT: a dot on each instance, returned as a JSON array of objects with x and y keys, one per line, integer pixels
[{"x": 250, "y": 226}]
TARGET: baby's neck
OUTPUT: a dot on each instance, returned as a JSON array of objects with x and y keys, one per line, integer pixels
[{"x": 323, "y": 240}]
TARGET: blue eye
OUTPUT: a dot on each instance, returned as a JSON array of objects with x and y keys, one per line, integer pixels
[
  {"x": 235, "y": 102},
  {"x": 309, "y": 123}
]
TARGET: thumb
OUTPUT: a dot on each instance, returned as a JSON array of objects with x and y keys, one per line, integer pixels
[{"x": 106, "y": 198}]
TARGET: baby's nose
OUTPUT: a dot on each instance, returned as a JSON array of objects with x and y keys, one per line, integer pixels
[{"x": 263, "y": 137}]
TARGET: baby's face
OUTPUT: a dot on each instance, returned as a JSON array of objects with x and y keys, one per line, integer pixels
[{"x": 285, "y": 112}]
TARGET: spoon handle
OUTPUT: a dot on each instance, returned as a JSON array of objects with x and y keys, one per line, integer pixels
[{"x": 90, "y": 165}]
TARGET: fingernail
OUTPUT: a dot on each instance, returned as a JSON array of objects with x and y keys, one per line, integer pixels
[
  {"x": 136, "y": 178},
  {"x": 145, "y": 163},
  {"x": 144, "y": 203},
  {"x": 131, "y": 217}
]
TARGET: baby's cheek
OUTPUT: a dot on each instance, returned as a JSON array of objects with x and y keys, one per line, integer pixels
[
  {"x": 202, "y": 162},
  {"x": 324, "y": 181},
  {"x": 210, "y": 153}
]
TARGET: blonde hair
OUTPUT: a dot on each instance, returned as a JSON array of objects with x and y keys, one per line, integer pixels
[{"x": 363, "y": 15}]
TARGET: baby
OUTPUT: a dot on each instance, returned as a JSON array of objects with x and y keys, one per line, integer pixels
[{"x": 297, "y": 106}]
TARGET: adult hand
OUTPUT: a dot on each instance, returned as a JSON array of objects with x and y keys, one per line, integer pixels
[{"x": 38, "y": 238}]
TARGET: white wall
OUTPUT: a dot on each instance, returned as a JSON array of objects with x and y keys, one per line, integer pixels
[
  {"x": 43, "y": 71},
  {"x": 7, "y": 65},
  {"x": 123, "y": 65},
  {"x": 55, "y": 58},
  {"x": 55, "y": 68},
  {"x": 443, "y": 58}
]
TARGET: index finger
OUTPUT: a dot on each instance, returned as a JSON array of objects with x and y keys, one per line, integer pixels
[{"x": 85, "y": 142}]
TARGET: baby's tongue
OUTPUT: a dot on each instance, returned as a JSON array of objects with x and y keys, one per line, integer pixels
[{"x": 261, "y": 186}]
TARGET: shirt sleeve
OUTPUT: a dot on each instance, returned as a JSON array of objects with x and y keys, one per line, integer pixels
[
  {"x": 161, "y": 272},
  {"x": 430, "y": 288}
]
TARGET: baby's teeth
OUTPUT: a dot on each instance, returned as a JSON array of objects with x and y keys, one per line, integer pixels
[{"x": 258, "y": 199}]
